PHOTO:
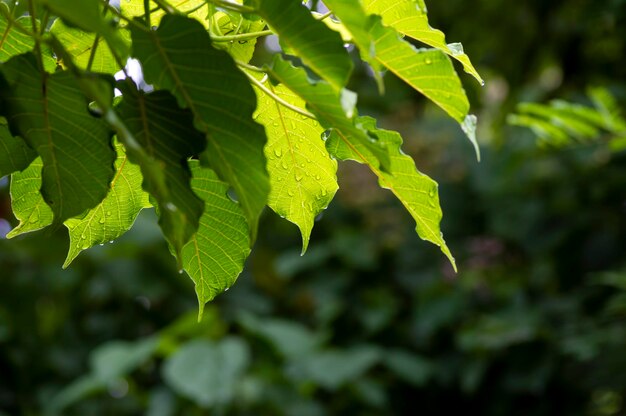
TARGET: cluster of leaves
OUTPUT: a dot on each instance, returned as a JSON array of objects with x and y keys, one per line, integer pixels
[
  {"x": 562, "y": 123},
  {"x": 210, "y": 140}
]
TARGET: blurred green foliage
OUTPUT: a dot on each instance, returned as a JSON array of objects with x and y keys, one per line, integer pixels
[{"x": 371, "y": 321}]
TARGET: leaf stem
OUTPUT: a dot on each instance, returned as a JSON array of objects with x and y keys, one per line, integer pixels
[
  {"x": 168, "y": 8},
  {"x": 241, "y": 36},
  {"x": 276, "y": 98}
]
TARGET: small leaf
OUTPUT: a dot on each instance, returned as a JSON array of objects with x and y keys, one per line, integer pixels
[
  {"x": 79, "y": 45},
  {"x": 114, "y": 215},
  {"x": 207, "y": 372},
  {"x": 410, "y": 19},
  {"x": 334, "y": 110},
  {"x": 215, "y": 255},
  {"x": 416, "y": 191},
  {"x": 50, "y": 113},
  {"x": 87, "y": 15},
  {"x": 26, "y": 201},
  {"x": 13, "y": 42},
  {"x": 311, "y": 40},
  {"x": 166, "y": 135},
  {"x": 303, "y": 177},
  {"x": 15, "y": 154}
]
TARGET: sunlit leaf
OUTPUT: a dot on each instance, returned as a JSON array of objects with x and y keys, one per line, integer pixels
[
  {"x": 27, "y": 203},
  {"x": 334, "y": 110},
  {"x": 302, "y": 175},
  {"x": 311, "y": 40},
  {"x": 416, "y": 191},
  {"x": 15, "y": 154},
  {"x": 179, "y": 57},
  {"x": 410, "y": 18},
  {"x": 51, "y": 114},
  {"x": 14, "y": 42},
  {"x": 80, "y": 46},
  {"x": 214, "y": 256},
  {"x": 114, "y": 215}
]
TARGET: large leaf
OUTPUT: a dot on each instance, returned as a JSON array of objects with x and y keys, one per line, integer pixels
[
  {"x": 166, "y": 135},
  {"x": 215, "y": 255},
  {"x": 333, "y": 110},
  {"x": 208, "y": 372},
  {"x": 179, "y": 57},
  {"x": 302, "y": 175},
  {"x": 429, "y": 71},
  {"x": 319, "y": 47},
  {"x": 15, "y": 154},
  {"x": 26, "y": 201},
  {"x": 409, "y": 17},
  {"x": 14, "y": 42},
  {"x": 87, "y": 15},
  {"x": 51, "y": 114},
  {"x": 83, "y": 48},
  {"x": 416, "y": 191},
  {"x": 114, "y": 215}
]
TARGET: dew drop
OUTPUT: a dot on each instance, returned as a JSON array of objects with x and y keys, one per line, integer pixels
[
  {"x": 226, "y": 290},
  {"x": 275, "y": 124},
  {"x": 318, "y": 177},
  {"x": 180, "y": 271},
  {"x": 302, "y": 165},
  {"x": 431, "y": 193},
  {"x": 108, "y": 214},
  {"x": 101, "y": 221},
  {"x": 278, "y": 152},
  {"x": 290, "y": 192},
  {"x": 324, "y": 192},
  {"x": 428, "y": 61},
  {"x": 83, "y": 236},
  {"x": 284, "y": 165},
  {"x": 298, "y": 177}
]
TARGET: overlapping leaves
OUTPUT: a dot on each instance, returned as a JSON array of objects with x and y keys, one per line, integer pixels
[{"x": 205, "y": 147}]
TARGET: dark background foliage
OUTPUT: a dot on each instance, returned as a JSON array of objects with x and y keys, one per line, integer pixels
[{"x": 371, "y": 321}]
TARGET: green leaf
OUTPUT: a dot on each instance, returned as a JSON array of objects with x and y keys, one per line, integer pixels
[
  {"x": 179, "y": 57},
  {"x": 114, "y": 215},
  {"x": 303, "y": 177},
  {"x": 166, "y": 135},
  {"x": 410, "y": 18},
  {"x": 51, "y": 114},
  {"x": 207, "y": 372},
  {"x": 88, "y": 16},
  {"x": 416, "y": 191},
  {"x": 334, "y": 110},
  {"x": 240, "y": 50},
  {"x": 215, "y": 255},
  {"x": 428, "y": 71},
  {"x": 80, "y": 46},
  {"x": 27, "y": 203},
  {"x": 13, "y": 42},
  {"x": 135, "y": 8},
  {"x": 311, "y": 40},
  {"x": 15, "y": 154}
]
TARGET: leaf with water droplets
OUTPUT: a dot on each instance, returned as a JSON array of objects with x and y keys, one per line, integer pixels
[
  {"x": 410, "y": 19},
  {"x": 27, "y": 203},
  {"x": 214, "y": 256},
  {"x": 303, "y": 177},
  {"x": 114, "y": 215},
  {"x": 416, "y": 191}
]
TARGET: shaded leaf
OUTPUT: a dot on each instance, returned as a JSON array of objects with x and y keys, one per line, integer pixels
[
  {"x": 15, "y": 154},
  {"x": 411, "y": 19},
  {"x": 27, "y": 203},
  {"x": 179, "y": 57},
  {"x": 51, "y": 114},
  {"x": 114, "y": 215},
  {"x": 215, "y": 255},
  {"x": 311, "y": 40},
  {"x": 416, "y": 191},
  {"x": 166, "y": 135},
  {"x": 303, "y": 177},
  {"x": 207, "y": 372},
  {"x": 334, "y": 110}
]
